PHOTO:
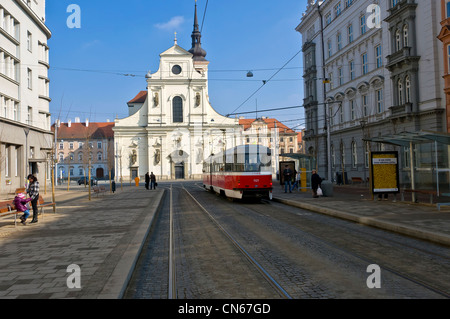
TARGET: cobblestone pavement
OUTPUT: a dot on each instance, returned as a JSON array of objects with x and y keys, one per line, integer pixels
[{"x": 101, "y": 236}]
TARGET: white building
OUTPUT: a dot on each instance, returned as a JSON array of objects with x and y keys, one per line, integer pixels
[
  {"x": 171, "y": 126},
  {"x": 364, "y": 80},
  {"x": 25, "y": 136}
]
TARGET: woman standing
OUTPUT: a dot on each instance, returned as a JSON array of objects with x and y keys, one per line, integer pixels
[
  {"x": 316, "y": 182},
  {"x": 33, "y": 193}
]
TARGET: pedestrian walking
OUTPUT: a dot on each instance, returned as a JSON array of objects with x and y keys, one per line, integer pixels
[
  {"x": 152, "y": 181},
  {"x": 147, "y": 180},
  {"x": 287, "y": 175},
  {"x": 20, "y": 202},
  {"x": 33, "y": 193},
  {"x": 316, "y": 182}
]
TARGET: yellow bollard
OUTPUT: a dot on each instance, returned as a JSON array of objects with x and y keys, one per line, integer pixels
[{"x": 303, "y": 179}]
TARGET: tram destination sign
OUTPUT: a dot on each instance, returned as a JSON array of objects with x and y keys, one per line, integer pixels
[{"x": 384, "y": 172}]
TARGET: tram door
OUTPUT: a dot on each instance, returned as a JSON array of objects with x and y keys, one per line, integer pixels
[{"x": 179, "y": 171}]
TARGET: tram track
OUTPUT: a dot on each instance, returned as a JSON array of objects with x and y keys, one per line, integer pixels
[
  {"x": 365, "y": 260},
  {"x": 270, "y": 279}
]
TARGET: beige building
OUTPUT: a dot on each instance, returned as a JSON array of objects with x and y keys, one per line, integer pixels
[{"x": 82, "y": 144}]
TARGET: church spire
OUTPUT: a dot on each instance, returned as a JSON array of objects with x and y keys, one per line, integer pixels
[{"x": 197, "y": 50}]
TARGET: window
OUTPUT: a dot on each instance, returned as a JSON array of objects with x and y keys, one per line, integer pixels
[
  {"x": 348, "y": 3},
  {"x": 80, "y": 157},
  {"x": 448, "y": 9},
  {"x": 352, "y": 110},
  {"x": 337, "y": 9},
  {"x": 71, "y": 145},
  {"x": 30, "y": 79},
  {"x": 408, "y": 89},
  {"x": 177, "y": 109},
  {"x": 330, "y": 52},
  {"x": 354, "y": 155},
  {"x": 352, "y": 70},
  {"x": 405, "y": 36},
  {"x": 366, "y": 155},
  {"x": 365, "y": 66},
  {"x": 330, "y": 114},
  {"x": 394, "y": 3},
  {"x": 398, "y": 44},
  {"x": 61, "y": 146},
  {"x": 362, "y": 20},
  {"x": 400, "y": 92},
  {"x": 448, "y": 57},
  {"x": 341, "y": 114},
  {"x": 350, "y": 33},
  {"x": 339, "y": 41},
  {"x": 328, "y": 18},
  {"x": 333, "y": 157},
  {"x": 330, "y": 77},
  {"x": 7, "y": 156},
  {"x": 99, "y": 156},
  {"x": 365, "y": 105},
  {"x": 379, "y": 56},
  {"x": 341, "y": 76},
  {"x": 29, "y": 41},
  {"x": 379, "y": 96},
  {"x": 30, "y": 116},
  {"x": 99, "y": 144}
]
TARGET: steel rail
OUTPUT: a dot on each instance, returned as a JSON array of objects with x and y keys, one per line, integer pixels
[{"x": 280, "y": 290}]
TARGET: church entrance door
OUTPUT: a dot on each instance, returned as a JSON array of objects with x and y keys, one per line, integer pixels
[{"x": 179, "y": 171}]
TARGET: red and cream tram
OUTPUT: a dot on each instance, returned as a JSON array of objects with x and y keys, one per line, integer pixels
[{"x": 240, "y": 172}]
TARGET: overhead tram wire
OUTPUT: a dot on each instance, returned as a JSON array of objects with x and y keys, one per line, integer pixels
[{"x": 265, "y": 82}]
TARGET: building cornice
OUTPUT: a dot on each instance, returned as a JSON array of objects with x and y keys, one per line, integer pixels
[{"x": 35, "y": 18}]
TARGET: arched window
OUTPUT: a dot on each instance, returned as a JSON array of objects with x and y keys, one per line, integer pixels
[
  {"x": 398, "y": 40},
  {"x": 400, "y": 92},
  {"x": 405, "y": 36},
  {"x": 177, "y": 109},
  {"x": 408, "y": 89}
]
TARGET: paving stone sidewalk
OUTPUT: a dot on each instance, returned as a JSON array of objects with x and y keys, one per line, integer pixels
[{"x": 102, "y": 236}]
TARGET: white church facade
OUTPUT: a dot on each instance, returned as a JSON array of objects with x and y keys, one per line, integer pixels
[{"x": 172, "y": 128}]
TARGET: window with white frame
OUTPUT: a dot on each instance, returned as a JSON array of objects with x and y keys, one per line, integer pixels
[
  {"x": 337, "y": 9},
  {"x": 330, "y": 51},
  {"x": 350, "y": 33},
  {"x": 400, "y": 92},
  {"x": 341, "y": 76},
  {"x": 339, "y": 41},
  {"x": 30, "y": 78},
  {"x": 365, "y": 65},
  {"x": 352, "y": 70},
  {"x": 398, "y": 41},
  {"x": 379, "y": 56},
  {"x": 365, "y": 105},
  {"x": 379, "y": 97},
  {"x": 362, "y": 21},
  {"x": 29, "y": 41},
  {"x": 352, "y": 110},
  {"x": 408, "y": 89},
  {"x": 328, "y": 18},
  {"x": 405, "y": 36}
]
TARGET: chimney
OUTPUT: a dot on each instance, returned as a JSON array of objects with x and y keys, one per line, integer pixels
[
  {"x": 69, "y": 124},
  {"x": 77, "y": 120},
  {"x": 87, "y": 122}
]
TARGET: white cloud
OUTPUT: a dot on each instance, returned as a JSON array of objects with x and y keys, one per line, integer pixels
[{"x": 173, "y": 24}]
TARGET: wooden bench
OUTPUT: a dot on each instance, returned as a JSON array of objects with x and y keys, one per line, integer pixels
[
  {"x": 7, "y": 209},
  {"x": 42, "y": 205},
  {"x": 99, "y": 189},
  {"x": 357, "y": 180}
]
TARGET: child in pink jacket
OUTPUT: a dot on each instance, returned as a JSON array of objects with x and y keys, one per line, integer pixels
[{"x": 20, "y": 202}]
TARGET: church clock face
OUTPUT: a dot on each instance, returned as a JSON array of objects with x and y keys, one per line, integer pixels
[{"x": 176, "y": 69}]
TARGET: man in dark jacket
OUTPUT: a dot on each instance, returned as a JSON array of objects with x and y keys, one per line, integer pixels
[
  {"x": 147, "y": 180},
  {"x": 316, "y": 182},
  {"x": 287, "y": 175}
]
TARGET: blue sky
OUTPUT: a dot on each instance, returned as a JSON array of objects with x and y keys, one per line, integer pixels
[{"x": 116, "y": 38}]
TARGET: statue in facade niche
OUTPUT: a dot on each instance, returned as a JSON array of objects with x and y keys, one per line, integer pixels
[
  {"x": 157, "y": 156},
  {"x": 133, "y": 157},
  {"x": 156, "y": 99},
  {"x": 197, "y": 99}
]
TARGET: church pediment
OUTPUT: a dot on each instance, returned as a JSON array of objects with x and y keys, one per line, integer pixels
[{"x": 176, "y": 51}]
